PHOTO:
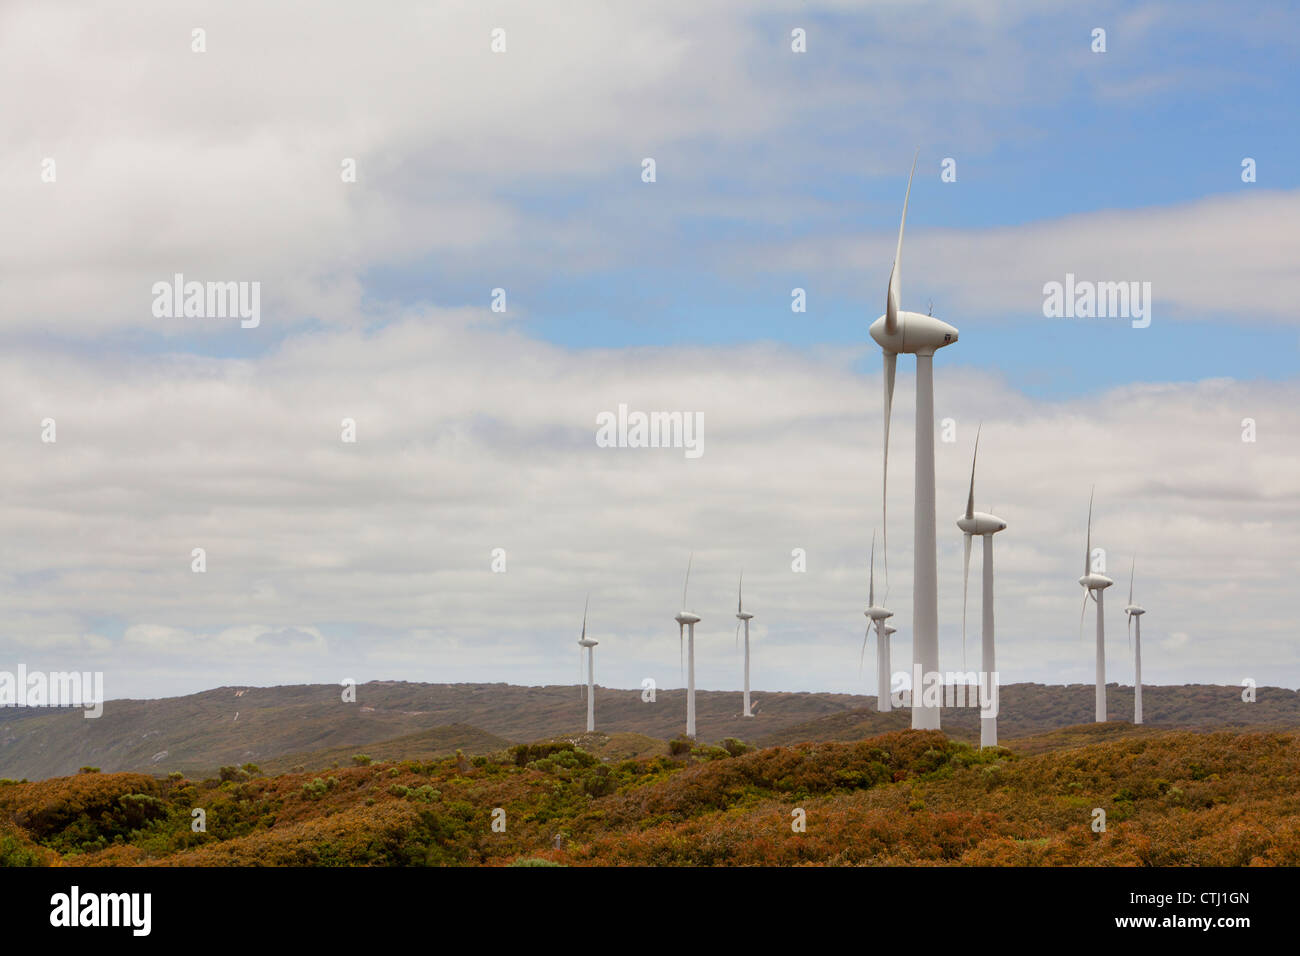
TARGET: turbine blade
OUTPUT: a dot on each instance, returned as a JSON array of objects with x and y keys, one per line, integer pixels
[
  {"x": 688, "y": 579},
  {"x": 740, "y": 594},
  {"x": 891, "y": 365},
  {"x": 965, "y": 582},
  {"x": 1130, "y": 627},
  {"x": 871, "y": 589},
  {"x": 1132, "y": 568},
  {"x": 738, "y": 623},
  {"x": 863, "y": 656},
  {"x": 970, "y": 499},
  {"x": 584, "y": 617},
  {"x": 681, "y": 648},
  {"x": 1082, "y": 611},
  {"x": 894, "y": 297},
  {"x": 1087, "y": 551}
]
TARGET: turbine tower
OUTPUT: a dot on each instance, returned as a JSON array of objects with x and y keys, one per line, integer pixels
[
  {"x": 744, "y": 617},
  {"x": 882, "y": 657},
  {"x": 1094, "y": 585},
  {"x": 688, "y": 620},
  {"x": 591, "y": 671},
  {"x": 986, "y": 526},
  {"x": 877, "y": 615},
  {"x": 922, "y": 335},
  {"x": 1135, "y": 613}
]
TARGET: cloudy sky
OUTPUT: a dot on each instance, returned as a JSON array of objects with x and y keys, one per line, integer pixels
[{"x": 130, "y": 157}]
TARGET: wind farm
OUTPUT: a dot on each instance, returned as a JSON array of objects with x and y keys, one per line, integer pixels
[{"x": 337, "y": 364}]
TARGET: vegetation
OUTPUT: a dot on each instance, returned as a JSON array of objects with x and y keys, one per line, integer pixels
[{"x": 905, "y": 797}]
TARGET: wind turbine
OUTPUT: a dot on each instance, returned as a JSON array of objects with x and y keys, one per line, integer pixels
[
  {"x": 1094, "y": 585},
  {"x": 986, "y": 526},
  {"x": 877, "y": 615},
  {"x": 744, "y": 617},
  {"x": 922, "y": 335},
  {"x": 1135, "y": 613},
  {"x": 688, "y": 620},
  {"x": 584, "y": 641}
]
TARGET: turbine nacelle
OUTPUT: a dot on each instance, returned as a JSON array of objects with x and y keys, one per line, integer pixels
[
  {"x": 1095, "y": 582},
  {"x": 1134, "y": 611},
  {"x": 889, "y": 629},
  {"x": 916, "y": 334},
  {"x": 745, "y": 616},
  {"x": 588, "y": 642},
  {"x": 981, "y": 522},
  {"x": 877, "y": 613},
  {"x": 686, "y": 617}
]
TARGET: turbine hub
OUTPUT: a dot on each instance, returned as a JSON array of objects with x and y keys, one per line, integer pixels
[
  {"x": 917, "y": 334},
  {"x": 686, "y": 617},
  {"x": 981, "y": 523},
  {"x": 1095, "y": 582}
]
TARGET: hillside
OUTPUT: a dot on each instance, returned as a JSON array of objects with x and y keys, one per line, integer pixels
[
  {"x": 198, "y": 733},
  {"x": 268, "y": 726},
  {"x": 422, "y": 745},
  {"x": 908, "y": 797},
  {"x": 1030, "y": 710}
]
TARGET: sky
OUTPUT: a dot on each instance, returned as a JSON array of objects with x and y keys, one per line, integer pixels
[{"x": 132, "y": 155}]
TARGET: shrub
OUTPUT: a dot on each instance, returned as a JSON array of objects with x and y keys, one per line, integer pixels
[
  {"x": 361, "y": 759},
  {"x": 525, "y": 754}
]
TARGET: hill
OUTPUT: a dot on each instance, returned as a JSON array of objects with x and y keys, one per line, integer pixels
[
  {"x": 422, "y": 745},
  {"x": 1032, "y": 710},
  {"x": 198, "y": 733},
  {"x": 907, "y": 797}
]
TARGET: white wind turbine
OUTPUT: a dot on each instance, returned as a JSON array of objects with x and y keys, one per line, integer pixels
[
  {"x": 744, "y": 617},
  {"x": 922, "y": 335},
  {"x": 1134, "y": 613},
  {"x": 688, "y": 620},
  {"x": 591, "y": 671},
  {"x": 986, "y": 526},
  {"x": 1094, "y": 585},
  {"x": 877, "y": 615}
]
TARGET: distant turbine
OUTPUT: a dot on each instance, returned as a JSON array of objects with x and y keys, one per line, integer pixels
[
  {"x": 876, "y": 615},
  {"x": 1135, "y": 617},
  {"x": 898, "y": 331},
  {"x": 1096, "y": 582},
  {"x": 744, "y": 617},
  {"x": 591, "y": 671},
  {"x": 986, "y": 526},
  {"x": 688, "y": 620}
]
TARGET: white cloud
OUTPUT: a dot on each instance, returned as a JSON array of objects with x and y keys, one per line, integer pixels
[{"x": 327, "y": 559}]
